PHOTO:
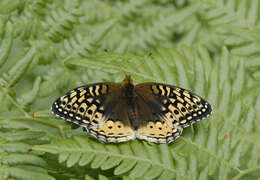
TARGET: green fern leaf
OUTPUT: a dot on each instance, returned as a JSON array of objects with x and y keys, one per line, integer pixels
[
  {"x": 49, "y": 47},
  {"x": 6, "y": 44},
  {"x": 21, "y": 173}
]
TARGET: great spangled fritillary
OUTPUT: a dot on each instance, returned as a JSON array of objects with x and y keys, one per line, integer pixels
[{"x": 118, "y": 112}]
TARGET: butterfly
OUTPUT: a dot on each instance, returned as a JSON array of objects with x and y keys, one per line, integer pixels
[{"x": 119, "y": 112}]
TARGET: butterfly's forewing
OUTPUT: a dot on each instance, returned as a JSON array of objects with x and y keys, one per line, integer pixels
[
  {"x": 171, "y": 109},
  {"x": 95, "y": 107}
]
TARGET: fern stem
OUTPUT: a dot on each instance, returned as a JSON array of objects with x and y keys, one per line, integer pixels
[{"x": 244, "y": 172}]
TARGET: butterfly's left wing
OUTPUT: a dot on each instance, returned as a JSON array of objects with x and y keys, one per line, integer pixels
[
  {"x": 98, "y": 108},
  {"x": 164, "y": 110}
]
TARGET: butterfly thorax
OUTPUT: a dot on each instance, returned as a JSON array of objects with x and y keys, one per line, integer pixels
[{"x": 127, "y": 89}]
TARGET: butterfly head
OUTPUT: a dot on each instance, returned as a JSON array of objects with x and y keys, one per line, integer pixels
[{"x": 127, "y": 81}]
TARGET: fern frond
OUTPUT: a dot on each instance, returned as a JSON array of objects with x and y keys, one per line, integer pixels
[
  {"x": 160, "y": 29},
  {"x": 79, "y": 150},
  {"x": 237, "y": 23},
  {"x": 221, "y": 154},
  {"x": 109, "y": 63},
  {"x": 93, "y": 9},
  {"x": 48, "y": 47},
  {"x": 126, "y": 11},
  {"x": 60, "y": 22},
  {"x": 84, "y": 45},
  {"x": 25, "y": 28}
]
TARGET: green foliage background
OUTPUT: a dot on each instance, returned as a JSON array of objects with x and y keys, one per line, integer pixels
[{"x": 48, "y": 47}]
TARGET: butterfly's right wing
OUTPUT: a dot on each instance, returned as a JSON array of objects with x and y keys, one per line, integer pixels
[
  {"x": 97, "y": 108},
  {"x": 153, "y": 126},
  {"x": 166, "y": 110}
]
